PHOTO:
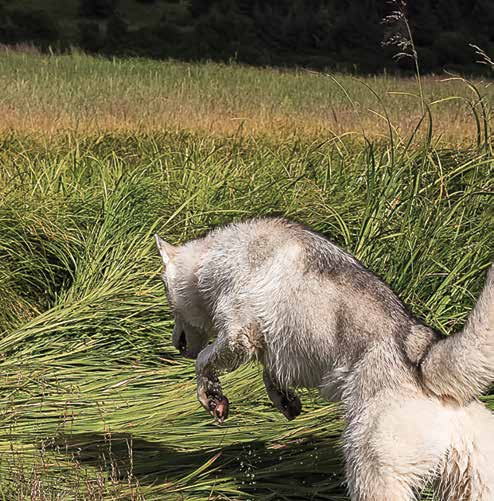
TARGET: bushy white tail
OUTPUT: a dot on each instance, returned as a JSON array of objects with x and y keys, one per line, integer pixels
[{"x": 461, "y": 366}]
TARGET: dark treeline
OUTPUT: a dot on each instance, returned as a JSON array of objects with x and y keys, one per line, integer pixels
[{"x": 347, "y": 35}]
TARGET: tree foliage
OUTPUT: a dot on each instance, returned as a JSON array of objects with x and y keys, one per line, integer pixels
[{"x": 341, "y": 34}]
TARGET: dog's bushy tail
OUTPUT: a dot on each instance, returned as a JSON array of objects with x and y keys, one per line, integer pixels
[{"x": 461, "y": 366}]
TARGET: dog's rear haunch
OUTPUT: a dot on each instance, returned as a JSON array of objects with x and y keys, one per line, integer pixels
[{"x": 313, "y": 316}]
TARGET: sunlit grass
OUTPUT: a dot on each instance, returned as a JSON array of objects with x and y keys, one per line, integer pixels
[
  {"x": 97, "y": 155},
  {"x": 94, "y": 401},
  {"x": 50, "y": 94}
]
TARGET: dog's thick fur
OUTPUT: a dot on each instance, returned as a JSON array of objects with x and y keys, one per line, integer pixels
[{"x": 275, "y": 291}]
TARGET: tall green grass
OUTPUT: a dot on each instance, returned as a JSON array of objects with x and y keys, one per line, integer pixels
[{"x": 94, "y": 401}]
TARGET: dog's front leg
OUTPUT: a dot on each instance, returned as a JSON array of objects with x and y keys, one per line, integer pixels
[
  {"x": 226, "y": 354},
  {"x": 285, "y": 400}
]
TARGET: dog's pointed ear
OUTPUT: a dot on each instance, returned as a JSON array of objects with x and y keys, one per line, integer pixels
[{"x": 167, "y": 251}]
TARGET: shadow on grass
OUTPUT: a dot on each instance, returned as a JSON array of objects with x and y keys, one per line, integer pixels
[{"x": 301, "y": 469}]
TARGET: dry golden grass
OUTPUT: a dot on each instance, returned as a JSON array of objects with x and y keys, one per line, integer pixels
[
  {"x": 53, "y": 94},
  {"x": 453, "y": 130}
]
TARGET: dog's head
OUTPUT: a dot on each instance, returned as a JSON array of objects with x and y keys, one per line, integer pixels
[{"x": 190, "y": 334}]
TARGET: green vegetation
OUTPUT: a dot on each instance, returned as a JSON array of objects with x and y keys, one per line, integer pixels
[
  {"x": 94, "y": 401},
  {"x": 47, "y": 94},
  {"x": 344, "y": 35}
]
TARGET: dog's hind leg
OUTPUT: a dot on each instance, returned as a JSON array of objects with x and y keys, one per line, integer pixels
[
  {"x": 284, "y": 399},
  {"x": 394, "y": 446},
  {"x": 468, "y": 471},
  {"x": 369, "y": 480},
  {"x": 379, "y": 488}
]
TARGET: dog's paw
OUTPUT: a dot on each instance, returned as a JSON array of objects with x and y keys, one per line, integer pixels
[
  {"x": 290, "y": 405},
  {"x": 212, "y": 399},
  {"x": 219, "y": 407}
]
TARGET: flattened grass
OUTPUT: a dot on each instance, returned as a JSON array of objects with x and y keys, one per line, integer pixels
[{"x": 94, "y": 401}]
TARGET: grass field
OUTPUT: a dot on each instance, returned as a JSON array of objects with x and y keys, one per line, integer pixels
[
  {"x": 97, "y": 155},
  {"x": 85, "y": 94}
]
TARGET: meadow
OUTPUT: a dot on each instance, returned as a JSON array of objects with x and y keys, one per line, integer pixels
[
  {"x": 91, "y": 95},
  {"x": 97, "y": 155}
]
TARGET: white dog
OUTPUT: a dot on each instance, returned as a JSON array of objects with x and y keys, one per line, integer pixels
[{"x": 313, "y": 316}]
